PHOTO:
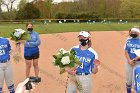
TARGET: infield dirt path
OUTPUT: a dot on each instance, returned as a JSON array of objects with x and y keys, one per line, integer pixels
[{"x": 109, "y": 46}]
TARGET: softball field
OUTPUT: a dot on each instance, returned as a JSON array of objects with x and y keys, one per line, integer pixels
[{"x": 109, "y": 46}]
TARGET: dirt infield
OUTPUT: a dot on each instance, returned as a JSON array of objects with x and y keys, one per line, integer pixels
[{"x": 109, "y": 46}]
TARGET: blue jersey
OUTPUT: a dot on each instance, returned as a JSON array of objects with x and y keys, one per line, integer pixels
[
  {"x": 86, "y": 57},
  {"x": 31, "y": 46},
  {"x": 131, "y": 45},
  {"x": 137, "y": 79},
  {"x": 4, "y": 49}
]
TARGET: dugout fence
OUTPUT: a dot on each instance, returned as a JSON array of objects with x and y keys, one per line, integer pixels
[{"x": 101, "y": 20}]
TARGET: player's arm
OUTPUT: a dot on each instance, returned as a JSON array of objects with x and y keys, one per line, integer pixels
[
  {"x": 38, "y": 41},
  {"x": 136, "y": 59},
  {"x": 95, "y": 70},
  {"x": 127, "y": 55},
  {"x": 96, "y": 66},
  {"x": 131, "y": 62}
]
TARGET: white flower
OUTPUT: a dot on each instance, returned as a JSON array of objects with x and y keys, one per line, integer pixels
[
  {"x": 20, "y": 30},
  {"x": 17, "y": 34},
  {"x": 65, "y": 60},
  {"x": 62, "y": 51}
]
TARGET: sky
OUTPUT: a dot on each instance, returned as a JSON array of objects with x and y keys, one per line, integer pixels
[{"x": 17, "y": 1}]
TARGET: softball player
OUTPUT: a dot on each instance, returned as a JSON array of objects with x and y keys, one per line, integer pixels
[
  {"x": 6, "y": 72},
  {"x": 87, "y": 56},
  {"x": 132, "y": 43},
  {"x": 31, "y": 50}
]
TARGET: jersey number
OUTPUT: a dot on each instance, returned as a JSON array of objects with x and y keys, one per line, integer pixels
[
  {"x": 81, "y": 66},
  {"x": 2, "y": 52},
  {"x": 132, "y": 50}
]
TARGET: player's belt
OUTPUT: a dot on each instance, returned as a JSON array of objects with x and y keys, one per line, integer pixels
[
  {"x": 82, "y": 73},
  {"x": 4, "y": 61}
]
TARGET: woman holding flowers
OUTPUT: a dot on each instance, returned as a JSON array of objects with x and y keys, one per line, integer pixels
[
  {"x": 6, "y": 71},
  {"x": 31, "y": 50},
  {"x": 89, "y": 64}
]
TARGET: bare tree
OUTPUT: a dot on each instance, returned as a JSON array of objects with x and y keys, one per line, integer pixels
[
  {"x": 0, "y": 6},
  {"x": 8, "y": 4}
]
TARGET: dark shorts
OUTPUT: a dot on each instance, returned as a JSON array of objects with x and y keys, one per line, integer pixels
[{"x": 33, "y": 56}]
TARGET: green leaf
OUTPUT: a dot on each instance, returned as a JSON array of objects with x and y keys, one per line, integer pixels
[
  {"x": 71, "y": 64},
  {"x": 66, "y": 54},
  {"x": 59, "y": 56},
  {"x": 25, "y": 37},
  {"x": 72, "y": 52},
  {"x": 54, "y": 56},
  {"x": 76, "y": 60}
]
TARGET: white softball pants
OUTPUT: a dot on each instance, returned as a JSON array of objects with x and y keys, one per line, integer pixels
[
  {"x": 6, "y": 73},
  {"x": 129, "y": 72},
  {"x": 86, "y": 81}
]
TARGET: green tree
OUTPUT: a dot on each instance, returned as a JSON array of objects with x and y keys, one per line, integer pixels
[
  {"x": 130, "y": 8},
  {"x": 41, "y": 5},
  {"x": 0, "y": 9},
  {"x": 21, "y": 4},
  {"x": 49, "y": 7},
  {"x": 28, "y": 12}
]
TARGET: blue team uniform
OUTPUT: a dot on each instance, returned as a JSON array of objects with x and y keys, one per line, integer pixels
[
  {"x": 86, "y": 57},
  {"x": 131, "y": 45},
  {"x": 137, "y": 79},
  {"x": 6, "y": 69},
  {"x": 31, "y": 46},
  {"x": 4, "y": 50}
]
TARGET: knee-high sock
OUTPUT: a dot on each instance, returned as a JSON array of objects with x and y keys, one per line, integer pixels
[
  {"x": 128, "y": 87},
  {"x": 0, "y": 90},
  {"x": 11, "y": 88}
]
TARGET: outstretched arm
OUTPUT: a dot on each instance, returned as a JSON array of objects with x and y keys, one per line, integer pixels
[{"x": 96, "y": 65}]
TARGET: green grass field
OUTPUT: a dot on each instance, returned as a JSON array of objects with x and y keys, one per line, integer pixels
[{"x": 6, "y": 29}]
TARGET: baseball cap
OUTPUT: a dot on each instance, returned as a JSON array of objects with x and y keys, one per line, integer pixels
[
  {"x": 135, "y": 30},
  {"x": 84, "y": 33}
]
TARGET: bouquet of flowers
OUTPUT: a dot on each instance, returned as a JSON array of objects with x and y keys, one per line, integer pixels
[
  {"x": 67, "y": 59},
  {"x": 19, "y": 36}
]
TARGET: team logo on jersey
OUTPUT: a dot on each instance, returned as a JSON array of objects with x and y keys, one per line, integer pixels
[
  {"x": 84, "y": 59},
  {"x": 3, "y": 46}
]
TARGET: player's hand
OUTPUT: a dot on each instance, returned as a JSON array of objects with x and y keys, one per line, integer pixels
[
  {"x": 131, "y": 62},
  {"x": 21, "y": 88},
  {"x": 71, "y": 71},
  {"x": 97, "y": 62}
]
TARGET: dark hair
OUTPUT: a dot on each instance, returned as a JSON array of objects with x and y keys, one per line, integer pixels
[
  {"x": 29, "y": 23},
  {"x": 90, "y": 42}
]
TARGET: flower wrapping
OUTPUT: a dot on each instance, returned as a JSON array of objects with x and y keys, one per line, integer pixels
[
  {"x": 19, "y": 36},
  {"x": 68, "y": 59}
]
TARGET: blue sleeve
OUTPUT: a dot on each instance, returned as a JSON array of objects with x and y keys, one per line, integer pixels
[
  {"x": 37, "y": 43},
  {"x": 126, "y": 47}
]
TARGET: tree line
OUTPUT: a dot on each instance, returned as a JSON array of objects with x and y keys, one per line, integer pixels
[{"x": 80, "y": 9}]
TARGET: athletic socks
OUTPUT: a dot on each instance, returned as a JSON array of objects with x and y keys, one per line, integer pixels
[
  {"x": 128, "y": 87},
  {"x": 11, "y": 88},
  {"x": 0, "y": 90}
]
